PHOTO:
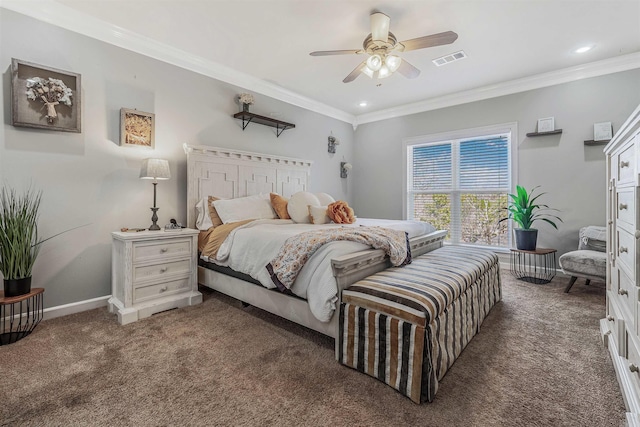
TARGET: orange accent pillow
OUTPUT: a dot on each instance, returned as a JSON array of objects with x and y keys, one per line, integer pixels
[
  {"x": 279, "y": 204},
  {"x": 341, "y": 213},
  {"x": 213, "y": 213}
]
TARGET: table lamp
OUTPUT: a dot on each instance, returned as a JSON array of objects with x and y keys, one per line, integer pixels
[{"x": 155, "y": 169}]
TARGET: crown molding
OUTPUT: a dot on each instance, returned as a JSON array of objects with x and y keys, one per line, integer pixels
[
  {"x": 71, "y": 19},
  {"x": 565, "y": 75}
]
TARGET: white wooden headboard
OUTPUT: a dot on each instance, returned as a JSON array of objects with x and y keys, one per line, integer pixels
[{"x": 228, "y": 174}]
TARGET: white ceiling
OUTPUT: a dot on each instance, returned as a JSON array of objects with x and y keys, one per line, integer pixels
[{"x": 268, "y": 42}]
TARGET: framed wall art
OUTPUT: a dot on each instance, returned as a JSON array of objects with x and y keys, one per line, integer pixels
[
  {"x": 602, "y": 131},
  {"x": 137, "y": 129},
  {"x": 45, "y": 97},
  {"x": 546, "y": 125}
]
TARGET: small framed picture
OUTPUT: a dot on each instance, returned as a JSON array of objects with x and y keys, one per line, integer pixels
[
  {"x": 137, "y": 129},
  {"x": 602, "y": 131},
  {"x": 546, "y": 125},
  {"x": 44, "y": 97}
]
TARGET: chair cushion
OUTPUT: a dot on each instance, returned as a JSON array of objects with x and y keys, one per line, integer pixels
[{"x": 584, "y": 263}]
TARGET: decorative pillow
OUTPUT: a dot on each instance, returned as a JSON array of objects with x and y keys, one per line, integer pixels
[
  {"x": 279, "y": 204},
  {"x": 298, "y": 206},
  {"x": 251, "y": 207},
  {"x": 341, "y": 213},
  {"x": 213, "y": 213},
  {"x": 325, "y": 199},
  {"x": 318, "y": 215},
  {"x": 203, "y": 220}
]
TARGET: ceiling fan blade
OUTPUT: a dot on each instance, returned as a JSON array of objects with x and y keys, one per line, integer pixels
[
  {"x": 334, "y": 52},
  {"x": 408, "y": 70},
  {"x": 439, "y": 39},
  {"x": 380, "y": 27},
  {"x": 355, "y": 73}
]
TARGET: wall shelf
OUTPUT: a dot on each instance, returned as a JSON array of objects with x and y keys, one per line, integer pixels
[
  {"x": 592, "y": 142},
  {"x": 553, "y": 132},
  {"x": 248, "y": 117}
]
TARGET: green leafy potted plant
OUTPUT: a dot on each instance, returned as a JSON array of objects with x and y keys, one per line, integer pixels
[{"x": 524, "y": 211}]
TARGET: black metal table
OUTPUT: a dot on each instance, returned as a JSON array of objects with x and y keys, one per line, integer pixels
[
  {"x": 537, "y": 266},
  {"x": 20, "y": 315}
]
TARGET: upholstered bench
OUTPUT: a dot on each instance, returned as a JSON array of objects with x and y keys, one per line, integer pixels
[{"x": 406, "y": 326}]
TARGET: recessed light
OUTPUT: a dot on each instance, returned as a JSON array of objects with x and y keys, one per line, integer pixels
[
  {"x": 363, "y": 104},
  {"x": 583, "y": 49}
]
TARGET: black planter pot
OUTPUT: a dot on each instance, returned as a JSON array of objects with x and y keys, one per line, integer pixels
[
  {"x": 16, "y": 287},
  {"x": 526, "y": 239}
]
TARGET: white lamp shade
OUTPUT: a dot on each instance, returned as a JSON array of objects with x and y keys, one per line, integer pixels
[{"x": 155, "y": 169}]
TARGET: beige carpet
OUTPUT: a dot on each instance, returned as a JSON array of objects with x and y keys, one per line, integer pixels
[{"x": 538, "y": 361}]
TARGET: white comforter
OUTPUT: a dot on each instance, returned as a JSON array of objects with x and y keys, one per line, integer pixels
[{"x": 249, "y": 248}]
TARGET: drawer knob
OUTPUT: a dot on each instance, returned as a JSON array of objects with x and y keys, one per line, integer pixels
[
  {"x": 623, "y": 249},
  {"x": 624, "y": 164},
  {"x": 610, "y": 318},
  {"x": 163, "y": 270},
  {"x": 163, "y": 250},
  {"x": 637, "y": 234},
  {"x": 164, "y": 288},
  {"x": 633, "y": 368},
  {"x": 623, "y": 292},
  {"x": 623, "y": 206}
]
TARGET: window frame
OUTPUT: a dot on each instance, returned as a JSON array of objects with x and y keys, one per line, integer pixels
[{"x": 448, "y": 137}]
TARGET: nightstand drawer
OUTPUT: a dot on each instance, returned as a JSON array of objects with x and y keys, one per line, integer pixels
[
  {"x": 143, "y": 251},
  {"x": 155, "y": 271},
  {"x": 626, "y": 164},
  {"x": 626, "y": 252},
  {"x": 160, "y": 289}
]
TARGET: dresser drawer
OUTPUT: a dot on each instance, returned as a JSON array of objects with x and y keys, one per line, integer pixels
[
  {"x": 626, "y": 165},
  {"x": 626, "y": 252},
  {"x": 626, "y": 296},
  {"x": 626, "y": 207},
  {"x": 632, "y": 364},
  {"x": 143, "y": 251},
  {"x": 155, "y": 271},
  {"x": 165, "y": 288},
  {"x": 615, "y": 327}
]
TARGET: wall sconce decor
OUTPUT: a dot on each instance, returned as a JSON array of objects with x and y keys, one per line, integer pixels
[
  {"x": 345, "y": 167},
  {"x": 155, "y": 169},
  {"x": 333, "y": 141}
]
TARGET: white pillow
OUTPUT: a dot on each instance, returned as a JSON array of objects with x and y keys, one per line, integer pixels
[
  {"x": 318, "y": 215},
  {"x": 203, "y": 220},
  {"x": 298, "y": 206},
  {"x": 325, "y": 199},
  {"x": 251, "y": 207}
]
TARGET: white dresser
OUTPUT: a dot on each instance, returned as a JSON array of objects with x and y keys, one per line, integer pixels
[
  {"x": 153, "y": 271},
  {"x": 621, "y": 328}
]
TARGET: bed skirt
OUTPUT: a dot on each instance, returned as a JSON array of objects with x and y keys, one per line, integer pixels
[{"x": 406, "y": 326}]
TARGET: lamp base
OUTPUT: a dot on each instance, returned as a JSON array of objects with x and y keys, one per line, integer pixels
[{"x": 154, "y": 219}]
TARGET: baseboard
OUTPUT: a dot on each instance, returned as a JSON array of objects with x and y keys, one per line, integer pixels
[{"x": 75, "y": 307}]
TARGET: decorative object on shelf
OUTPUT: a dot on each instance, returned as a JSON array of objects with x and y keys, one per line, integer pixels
[
  {"x": 137, "y": 129},
  {"x": 345, "y": 167},
  {"x": 546, "y": 125},
  {"x": 333, "y": 141},
  {"x": 523, "y": 210},
  {"x": 247, "y": 118},
  {"x": 602, "y": 131},
  {"x": 44, "y": 97},
  {"x": 155, "y": 169},
  {"x": 245, "y": 100}
]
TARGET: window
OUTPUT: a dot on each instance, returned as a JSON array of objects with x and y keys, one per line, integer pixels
[{"x": 460, "y": 182}]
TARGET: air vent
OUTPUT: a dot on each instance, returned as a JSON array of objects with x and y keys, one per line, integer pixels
[{"x": 447, "y": 59}]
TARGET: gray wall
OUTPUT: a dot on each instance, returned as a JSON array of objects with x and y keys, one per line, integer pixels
[
  {"x": 572, "y": 174},
  {"x": 88, "y": 178}
]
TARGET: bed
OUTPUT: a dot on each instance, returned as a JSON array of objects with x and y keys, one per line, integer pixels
[{"x": 231, "y": 174}]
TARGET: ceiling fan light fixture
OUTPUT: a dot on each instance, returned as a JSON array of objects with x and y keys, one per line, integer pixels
[
  {"x": 367, "y": 71},
  {"x": 392, "y": 62},
  {"x": 384, "y": 72},
  {"x": 374, "y": 62}
]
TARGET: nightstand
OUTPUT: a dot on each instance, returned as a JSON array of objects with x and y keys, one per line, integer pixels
[{"x": 153, "y": 271}]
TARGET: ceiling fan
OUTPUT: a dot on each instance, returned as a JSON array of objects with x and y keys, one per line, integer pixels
[{"x": 381, "y": 46}]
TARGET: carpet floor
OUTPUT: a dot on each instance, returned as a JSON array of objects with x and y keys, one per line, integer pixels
[{"x": 538, "y": 361}]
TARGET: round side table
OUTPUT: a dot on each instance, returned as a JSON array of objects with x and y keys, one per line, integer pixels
[
  {"x": 20, "y": 315},
  {"x": 537, "y": 266}
]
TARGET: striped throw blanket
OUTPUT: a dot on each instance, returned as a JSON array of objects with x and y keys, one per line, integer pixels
[
  {"x": 284, "y": 268},
  {"x": 406, "y": 326}
]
